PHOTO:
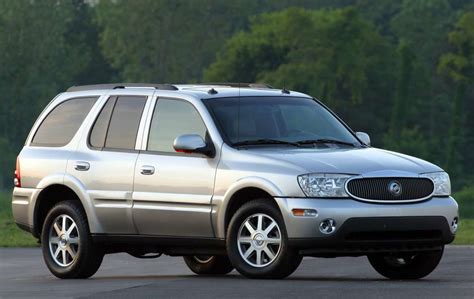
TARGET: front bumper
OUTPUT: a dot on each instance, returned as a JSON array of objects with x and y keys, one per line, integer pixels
[{"x": 365, "y": 227}]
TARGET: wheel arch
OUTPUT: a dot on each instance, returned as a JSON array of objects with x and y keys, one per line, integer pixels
[
  {"x": 242, "y": 191},
  {"x": 57, "y": 190}
]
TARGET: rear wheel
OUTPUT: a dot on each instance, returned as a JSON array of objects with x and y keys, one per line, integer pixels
[
  {"x": 257, "y": 242},
  {"x": 208, "y": 264},
  {"x": 407, "y": 265},
  {"x": 68, "y": 249}
]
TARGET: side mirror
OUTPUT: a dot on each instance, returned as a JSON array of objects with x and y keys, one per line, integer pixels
[
  {"x": 193, "y": 143},
  {"x": 364, "y": 137}
]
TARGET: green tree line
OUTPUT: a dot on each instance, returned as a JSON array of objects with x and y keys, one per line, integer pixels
[{"x": 401, "y": 70}]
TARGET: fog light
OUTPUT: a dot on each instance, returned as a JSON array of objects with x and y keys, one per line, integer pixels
[
  {"x": 327, "y": 226},
  {"x": 454, "y": 224},
  {"x": 305, "y": 212}
]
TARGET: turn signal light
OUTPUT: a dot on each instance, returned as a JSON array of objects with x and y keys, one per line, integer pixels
[{"x": 305, "y": 212}]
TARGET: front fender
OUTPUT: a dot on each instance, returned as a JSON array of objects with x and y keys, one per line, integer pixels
[{"x": 221, "y": 203}]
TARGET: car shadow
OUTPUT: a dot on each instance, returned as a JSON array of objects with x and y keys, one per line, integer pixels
[{"x": 235, "y": 276}]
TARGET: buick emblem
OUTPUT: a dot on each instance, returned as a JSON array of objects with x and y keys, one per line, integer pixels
[{"x": 395, "y": 188}]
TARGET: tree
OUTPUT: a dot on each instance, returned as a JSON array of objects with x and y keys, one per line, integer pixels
[
  {"x": 403, "y": 136},
  {"x": 423, "y": 25},
  {"x": 174, "y": 40},
  {"x": 38, "y": 60},
  {"x": 458, "y": 65},
  {"x": 385, "y": 66},
  {"x": 83, "y": 35},
  {"x": 402, "y": 100},
  {"x": 166, "y": 41},
  {"x": 332, "y": 54}
]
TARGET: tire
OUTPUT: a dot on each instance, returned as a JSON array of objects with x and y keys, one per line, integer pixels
[
  {"x": 88, "y": 256},
  {"x": 406, "y": 266},
  {"x": 209, "y": 265},
  {"x": 241, "y": 242}
]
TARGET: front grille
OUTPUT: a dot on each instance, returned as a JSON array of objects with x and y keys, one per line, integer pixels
[{"x": 390, "y": 189}]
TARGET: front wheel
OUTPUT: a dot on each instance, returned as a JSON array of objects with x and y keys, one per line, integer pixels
[
  {"x": 208, "y": 264},
  {"x": 257, "y": 242},
  {"x": 406, "y": 265},
  {"x": 68, "y": 249}
]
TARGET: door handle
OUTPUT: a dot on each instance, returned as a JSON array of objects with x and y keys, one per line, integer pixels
[
  {"x": 147, "y": 170},
  {"x": 82, "y": 166}
]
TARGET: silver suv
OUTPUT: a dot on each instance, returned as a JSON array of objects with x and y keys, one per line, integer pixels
[{"x": 229, "y": 176}]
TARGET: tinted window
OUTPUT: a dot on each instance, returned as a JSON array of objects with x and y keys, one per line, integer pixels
[
  {"x": 282, "y": 118},
  {"x": 172, "y": 118},
  {"x": 123, "y": 127},
  {"x": 62, "y": 123},
  {"x": 99, "y": 131}
]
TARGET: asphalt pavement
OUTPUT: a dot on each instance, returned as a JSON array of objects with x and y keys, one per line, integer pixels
[{"x": 23, "y": 274}]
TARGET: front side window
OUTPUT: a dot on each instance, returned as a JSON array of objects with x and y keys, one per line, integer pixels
[
  {"x": 172, "y": 118},
  {"x": 286, "y": 119},
  {"x": 62, "y": 123}
]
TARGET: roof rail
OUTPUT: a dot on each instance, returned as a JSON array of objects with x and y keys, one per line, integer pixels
[
  {"x": 121, "y": 86},
  {"x": 241, "y": 85}
]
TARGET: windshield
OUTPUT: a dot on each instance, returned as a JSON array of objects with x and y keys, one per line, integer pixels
[{"x": 266, "y": 120}]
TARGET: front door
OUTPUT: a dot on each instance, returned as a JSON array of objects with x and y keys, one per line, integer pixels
[{"x": 173, "y": 191}]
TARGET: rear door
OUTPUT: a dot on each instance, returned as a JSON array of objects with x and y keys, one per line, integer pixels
[
  {"x": 105, "y": 163},
  {"x": 173, "y": 191}
]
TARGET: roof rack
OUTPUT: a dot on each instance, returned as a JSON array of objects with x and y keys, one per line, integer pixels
[
  {"x": 241, "y": 85},
  {"x": 121, "y": 86}
]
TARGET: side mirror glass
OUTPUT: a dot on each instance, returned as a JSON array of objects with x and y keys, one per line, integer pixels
[
  {"x": 364, "y": 137},
  {"x": 192, "y": 143}
]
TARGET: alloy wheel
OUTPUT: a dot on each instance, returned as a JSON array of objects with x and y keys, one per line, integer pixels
[
  {"x": 63, "y": 240},
  {"x": 259, "y": 240}
]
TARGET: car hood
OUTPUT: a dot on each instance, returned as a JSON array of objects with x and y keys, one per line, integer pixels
[{"x": 360, "y": 161}]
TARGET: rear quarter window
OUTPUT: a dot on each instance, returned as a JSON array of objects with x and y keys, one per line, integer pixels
[{"x": 62, "y": 123}]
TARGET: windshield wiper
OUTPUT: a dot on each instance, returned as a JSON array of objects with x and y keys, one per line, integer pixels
[
  {"x": 320, "y": 141},
  {"x": 264, "y": 141}
]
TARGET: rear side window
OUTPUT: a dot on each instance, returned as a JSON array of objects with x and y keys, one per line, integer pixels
[
  {"x": 99, "y": 131},
  {"x": 117, "y": 124},
  {"x": 62, "y": 123}
]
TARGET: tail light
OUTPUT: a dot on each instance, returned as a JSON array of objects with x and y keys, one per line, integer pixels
[{"x": 17, "y": 179}]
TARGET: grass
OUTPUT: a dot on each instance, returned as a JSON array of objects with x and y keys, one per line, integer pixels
[
  {"x": 465, "y": 234},
  {"x": 12, "y": 236},
  {"x": 465, "y": 199}
]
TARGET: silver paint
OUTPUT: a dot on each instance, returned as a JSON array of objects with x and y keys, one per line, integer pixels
[{"x": 188, "y": 194}]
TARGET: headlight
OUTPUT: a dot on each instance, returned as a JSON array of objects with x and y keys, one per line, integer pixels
[
  {"x": 442, "y": 184},
  {"x": 323, "y": 185}
]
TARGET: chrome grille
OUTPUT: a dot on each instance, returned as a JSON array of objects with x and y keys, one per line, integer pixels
[{"x": 385, "y": 189}]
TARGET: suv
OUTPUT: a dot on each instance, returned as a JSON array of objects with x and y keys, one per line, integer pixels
[{"x": 228, "y": 176}]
